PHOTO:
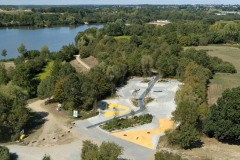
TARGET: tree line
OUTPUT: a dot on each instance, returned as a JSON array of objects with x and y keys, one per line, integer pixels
[{"x": 50, "y": 16}]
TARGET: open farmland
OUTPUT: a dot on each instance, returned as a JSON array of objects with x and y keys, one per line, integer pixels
[{"x": 222, "y": 81}]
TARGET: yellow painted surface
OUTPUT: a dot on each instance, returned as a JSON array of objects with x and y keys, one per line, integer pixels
[
  {"x": 22, "y": 137},
  {"x": 144, "y": 137},
  {"x": 120, "y": 110}
]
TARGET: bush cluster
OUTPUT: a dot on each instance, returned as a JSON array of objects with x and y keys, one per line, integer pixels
[{"x": 122, "y": 123}]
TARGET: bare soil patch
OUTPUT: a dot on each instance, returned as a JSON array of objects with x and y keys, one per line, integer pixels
[
  {"x": 161, "y": 23},
  {"x": 90, "y": 61},
  {"x": 8, "y": 64},
  {"x": 56, "y": 130},
  {"x": 78, "y": 67},
  {"x": 211, "y": 149}
]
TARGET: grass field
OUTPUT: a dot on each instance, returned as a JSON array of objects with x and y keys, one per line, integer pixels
[
  {"x": 122, "y": 37},
  {"x": 46, "y": 71},
  {"x": 222, "y": 81},
  {"x": 14, "y": 11}
]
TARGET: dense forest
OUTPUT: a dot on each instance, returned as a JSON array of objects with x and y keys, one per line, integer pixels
[
  {"x": 123, "y": 51},
  {"x": 49, "y": 16}
]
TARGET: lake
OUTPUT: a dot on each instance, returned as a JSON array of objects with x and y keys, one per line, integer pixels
[{"x": 54, "y": 38}]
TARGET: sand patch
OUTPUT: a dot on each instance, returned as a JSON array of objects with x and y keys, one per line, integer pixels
[
  {"x": 115, "y": 110},
  {"x": 144, "y": 137}
]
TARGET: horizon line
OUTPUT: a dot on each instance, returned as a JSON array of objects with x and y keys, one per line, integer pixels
[{"x": 111, "y": 4}]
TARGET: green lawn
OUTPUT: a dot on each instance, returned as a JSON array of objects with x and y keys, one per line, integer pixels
[
  {"x": 221, "y": 81},
  {"x": 122, "y": 37},
  {"x": 46, "y": 71}
]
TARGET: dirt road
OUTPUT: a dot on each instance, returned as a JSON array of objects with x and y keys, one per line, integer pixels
[{"x": 55, "y": 137}]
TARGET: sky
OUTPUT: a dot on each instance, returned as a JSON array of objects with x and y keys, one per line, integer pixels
[{"x": 79, "y": 2}]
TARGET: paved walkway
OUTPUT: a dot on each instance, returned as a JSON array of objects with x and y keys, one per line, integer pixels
[
  {"x": 131, "y": 151},
  {"x": 161, "y": 108},
  {"x": 125, "y": 95}
]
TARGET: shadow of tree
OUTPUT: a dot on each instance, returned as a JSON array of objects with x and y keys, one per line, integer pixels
[
  {"x": 198, "y": 144},
  {"x": 13, "y": 156},
  {"x": 231, "y": 142},
  {"x": 36, "y": 120}
]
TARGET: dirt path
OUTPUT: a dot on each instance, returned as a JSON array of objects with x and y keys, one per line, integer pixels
[
  {"x": 78, "y": 67},
  {"x": 82, "y": 63},
  {"x": 55, "y": 137},
  {"x": 54, "y": 131}
]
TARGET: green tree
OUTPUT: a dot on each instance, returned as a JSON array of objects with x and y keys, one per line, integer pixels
[
  {"x": 166, "y": 64},
  {"x": 84, "y": 52},
  {"x": 115, "y": 28},
  {"x": 46, "y": 87},
  {"x": 182, "y": 63},
  {"x": 186, "y": 136},
  {"x": 185, "y": 40},
  {"x": 200, "y": 57},
  {"x": 58, "y": 92},
  {"x": 4, "y": 153},
  {"x": 44, "y": 52},
  {"x": 135, "y": 40},
  {"x": 22, "y": 49},
  {"x": 89, "y": 151},
  {"x": 164, "y": 155},
  {"x": 231, "y": 31},
  {"x": 171, "y": 38},
  {"x": 23, "y": 76},
  {"x": 147, "y": 64},
  {"x": 72, "y": 91},
  {"x": 15, "y": 93},
  {"x": 106, "y": 151},
  {"x": 109, "y": 151},
  {"x": 223, "y": 119},
  {"x": 4, "y": 53},
  {"x": 13, "y": 116},
  {"x": 3, "y": 75},
  {"x": 67, "y": 53},
  {"x": 134, "y": 65},
  {"x": 186, "y": 112},
  {"x": 61, "y": 70}
]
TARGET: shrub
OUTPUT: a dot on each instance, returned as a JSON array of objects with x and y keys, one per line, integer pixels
[
  {"x": 121, "y": 123},
  {"x": 4, "y": 153},
  {"x": 148, "y": 100},
  {"x": 46, "y": 157},
  {"x": 106, "y": 151},
  {"x": 89, "y": 150},
  {"x": 164, "y": 155},
  {"x": 186, "y": 136}
]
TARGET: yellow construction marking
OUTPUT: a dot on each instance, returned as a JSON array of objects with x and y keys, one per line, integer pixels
[
  {"x": 119, "y": 108},
  {"x": 144, "y": 137}
]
